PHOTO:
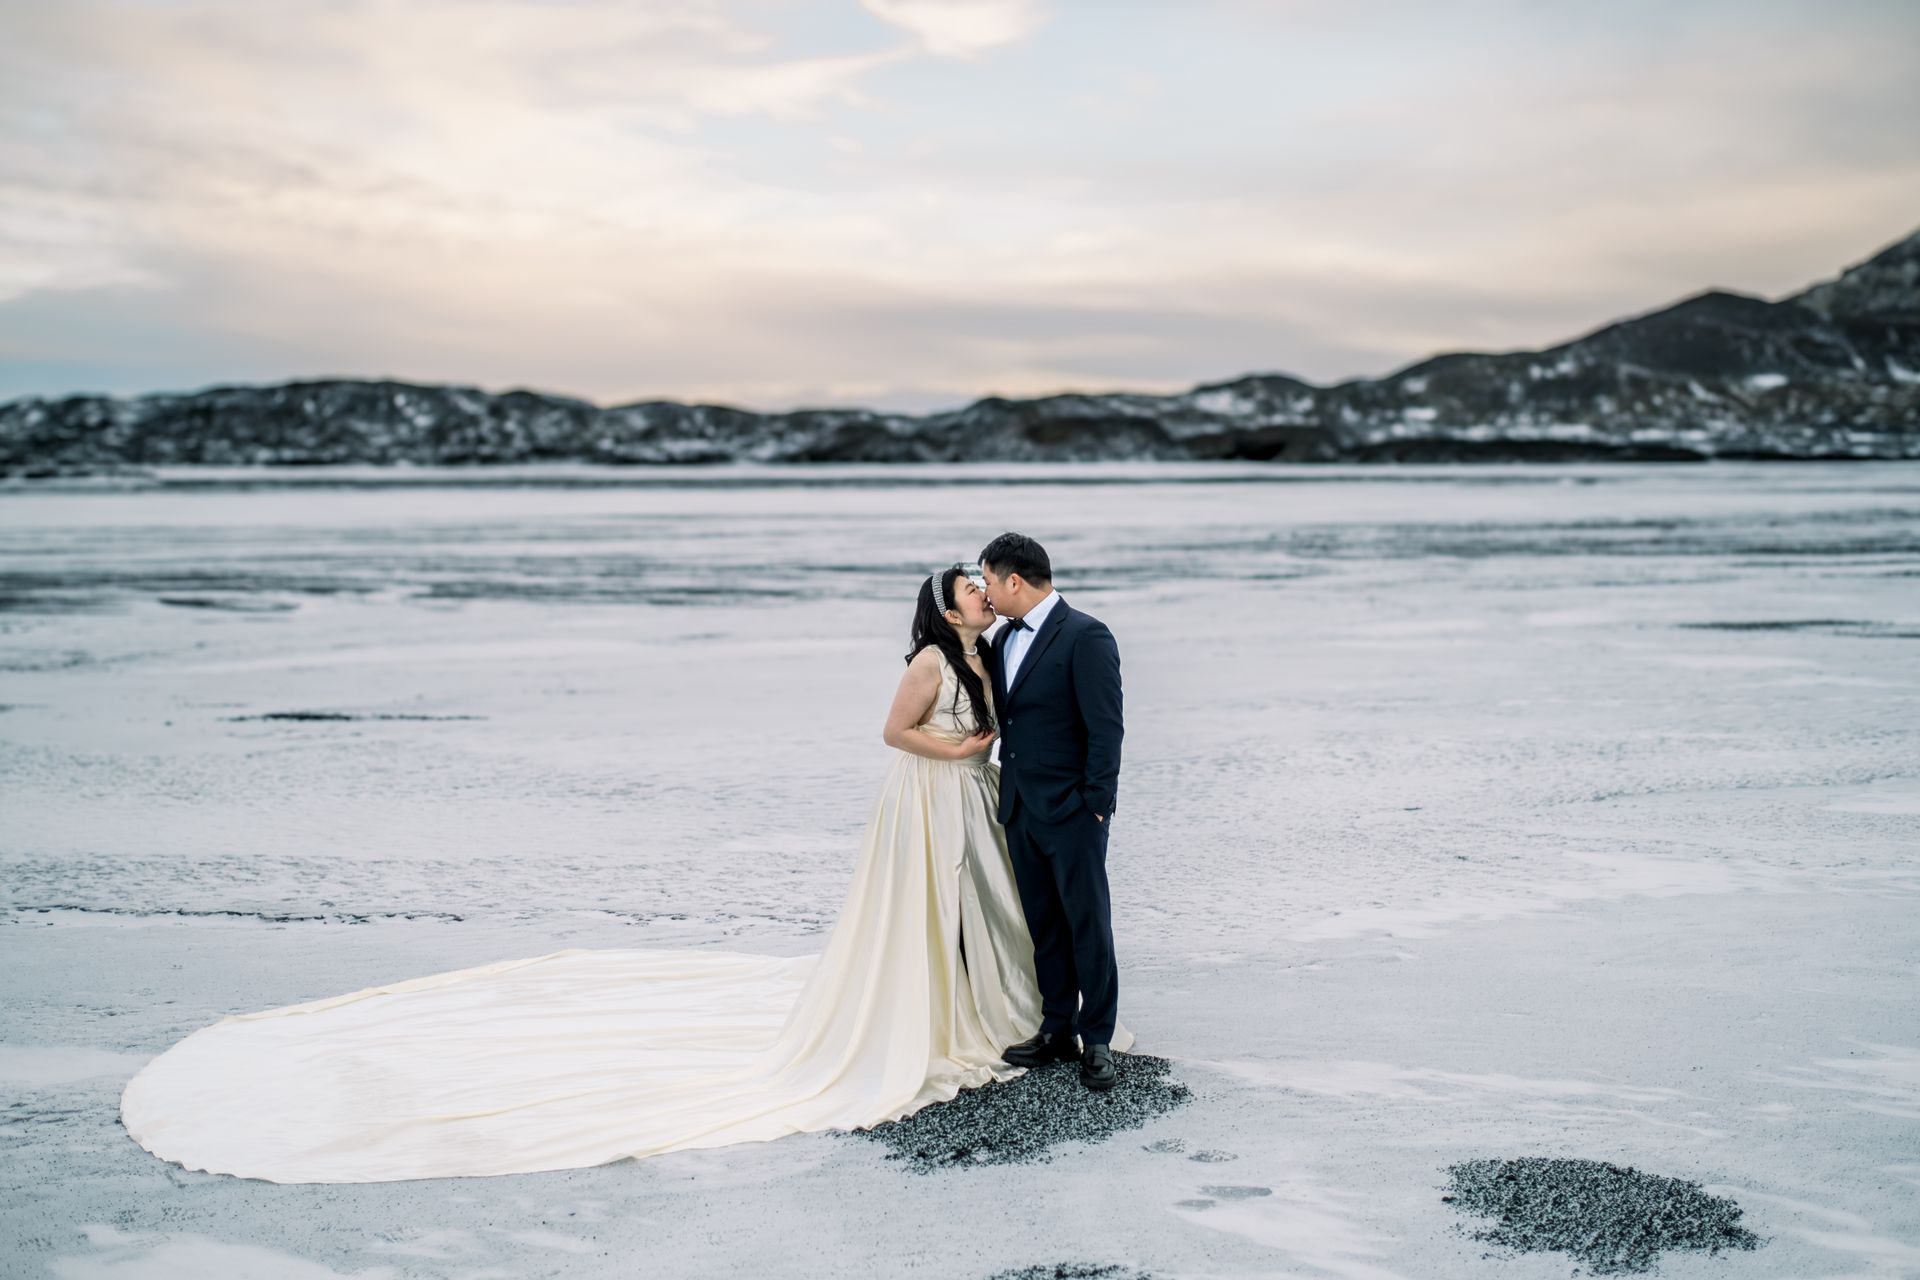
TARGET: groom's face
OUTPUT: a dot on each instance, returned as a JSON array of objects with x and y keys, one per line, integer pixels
[{"x": 1005, "y": 596}]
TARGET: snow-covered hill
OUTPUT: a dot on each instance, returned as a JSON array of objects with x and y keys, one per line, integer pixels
[{"x": 1831, "y": 372}]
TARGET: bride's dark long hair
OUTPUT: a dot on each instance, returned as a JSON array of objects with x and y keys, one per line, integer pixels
[{"x": 930, "y": 627}]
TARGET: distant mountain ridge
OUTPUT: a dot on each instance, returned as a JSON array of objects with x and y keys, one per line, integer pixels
[{"x": 1830, "y": 372}]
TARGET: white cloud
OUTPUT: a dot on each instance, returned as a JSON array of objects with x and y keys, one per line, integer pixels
[
  {"x": 363, "y": 131},
  {"x": 53, "y": 240},
  {"x": 960, "y": 28}
]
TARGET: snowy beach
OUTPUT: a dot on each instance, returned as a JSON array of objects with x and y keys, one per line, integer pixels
[{"x": 1465, "y": 812}]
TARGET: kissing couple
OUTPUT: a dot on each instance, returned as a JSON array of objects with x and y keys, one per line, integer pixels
[{"x": 974, "y": 943}]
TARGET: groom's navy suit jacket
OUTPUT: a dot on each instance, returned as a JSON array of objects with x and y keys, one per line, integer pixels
[{"x": 1060, "y": 722}]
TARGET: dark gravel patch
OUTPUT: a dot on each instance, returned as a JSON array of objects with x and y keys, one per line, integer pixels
[
  {"x": 1614, "y": 1220},
  {"x": 1023, "y": 1119}
]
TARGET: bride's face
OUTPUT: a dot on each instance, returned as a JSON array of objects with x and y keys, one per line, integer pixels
[{"x": 970, "y": 602}]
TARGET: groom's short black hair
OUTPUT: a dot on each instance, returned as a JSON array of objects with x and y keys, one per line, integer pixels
[{"x": 1017, "y": 553}]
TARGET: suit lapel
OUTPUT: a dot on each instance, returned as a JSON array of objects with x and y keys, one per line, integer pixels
[{"x": 1048, "y": 631}]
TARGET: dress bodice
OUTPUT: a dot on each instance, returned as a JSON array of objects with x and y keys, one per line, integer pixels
[{"x": 951, "y": 718}]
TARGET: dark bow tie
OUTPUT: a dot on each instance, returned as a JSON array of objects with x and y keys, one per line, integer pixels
[{"x": 1018, "y": 624}]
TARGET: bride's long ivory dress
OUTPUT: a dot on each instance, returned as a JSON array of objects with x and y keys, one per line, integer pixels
[{"x": 581, "y": 1057}]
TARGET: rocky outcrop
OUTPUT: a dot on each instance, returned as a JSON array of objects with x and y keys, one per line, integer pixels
[{"x": 1830, "y": 372}]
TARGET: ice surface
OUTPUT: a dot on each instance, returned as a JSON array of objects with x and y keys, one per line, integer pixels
[{"x": 1404, "y": 745}]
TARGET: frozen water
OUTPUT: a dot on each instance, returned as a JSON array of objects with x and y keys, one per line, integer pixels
[
  {"x": 265, "y": 738},
  {"x": 1364, "y": 695}
]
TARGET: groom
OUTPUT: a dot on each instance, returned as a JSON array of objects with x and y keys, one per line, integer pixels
[{"x": 1057, "y": 698}]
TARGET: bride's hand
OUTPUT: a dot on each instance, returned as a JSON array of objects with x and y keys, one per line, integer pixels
[{"x": 974, "y": 745}]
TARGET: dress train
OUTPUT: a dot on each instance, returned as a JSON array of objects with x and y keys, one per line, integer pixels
[{"x": 585, "y": 1056}]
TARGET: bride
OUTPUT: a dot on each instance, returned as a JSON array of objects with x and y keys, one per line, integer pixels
[{"x": 582, "y": 1057}]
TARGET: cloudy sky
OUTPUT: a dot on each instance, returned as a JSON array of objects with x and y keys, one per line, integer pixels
[{"x": 909, "y": 204}]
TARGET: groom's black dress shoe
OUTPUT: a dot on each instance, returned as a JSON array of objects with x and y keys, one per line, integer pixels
[
  {"x": 1041, "y": 1049},
  {"x": 1096, "y": 1067}
]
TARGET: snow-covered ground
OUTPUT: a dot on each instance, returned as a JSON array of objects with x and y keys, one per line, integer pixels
[{"x": 1469, "y": 811}]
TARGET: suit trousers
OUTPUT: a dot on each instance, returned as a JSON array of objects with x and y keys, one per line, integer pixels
[{"x": 1061, "y": 871}]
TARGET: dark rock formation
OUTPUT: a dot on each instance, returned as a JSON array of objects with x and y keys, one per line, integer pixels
[{"x": 1831, "y": 372}]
